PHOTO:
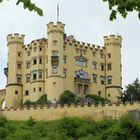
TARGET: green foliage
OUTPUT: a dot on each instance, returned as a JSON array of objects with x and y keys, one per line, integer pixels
[
  {"x": 132, "y": 92},
  {"x": 68, "y": 97},
  {"x": 123, "y": 7},
  {"x": 71, "y": 129},
  {"x": 27, "y": 4},
  {"x": 41, "y": 101},
  {"x": 97, "y": 99},
  {"x": 2, "y": 121},
  {"x": 30, "y": 122}
]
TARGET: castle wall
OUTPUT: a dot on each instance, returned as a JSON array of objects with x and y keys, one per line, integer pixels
[{"x": 57, "y": 112}]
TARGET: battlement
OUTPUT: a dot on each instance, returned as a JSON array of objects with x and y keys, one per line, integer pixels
[
  {"x": 57, "y": 111},
  {"x": 58, "y": 27},
  {"x": 15, "y": 39},
  {"x": 113, "y": 40},
  {"x": 38, "y": 43},
  {"x": 83, "y": 45}
]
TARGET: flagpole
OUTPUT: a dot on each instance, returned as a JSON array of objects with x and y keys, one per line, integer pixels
[{"x": 57, "y": 12}]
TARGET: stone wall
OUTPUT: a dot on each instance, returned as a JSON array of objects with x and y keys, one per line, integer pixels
[{"x": 57, "y": 111}]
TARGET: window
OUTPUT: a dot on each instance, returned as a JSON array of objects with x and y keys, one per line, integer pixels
[
  {"x": 16, "y": 92},
  {"x": 34, "y": 89},
  {"x": 108, "y": 95},
  {"x": 54, "y": 84},
  {"x": 109, "y": 55},
  {"x": 34, "y": 49},
  {"x": 34, "y": 61},
  {"x": 81, "y": 74},
  {"x": 34, "y": 74},
  {"x": 19, "y": 65},
  {"x": 94, "y": 54},
  {"x": 109, "y": 66},
  {"x": 26, "y": 92},
  {"x": 109, "y": 80},
  {"x": 40, "y": 75},
  {"x": 102, "y": 78},
  {"x": 102, "y": 67},
  {"x": 19, "y": 54},
  {"x": 80, "y": 61},
  {"x": 65, "y": 59},
  {"x": 99, "y": 93},
  {"x": 28, "y": 65},
  {"x": 40, "y": 60},
  {"x": 55, "y": 42},
  {"x": 46, "y": 73},
  {"x": 54, "y": 69},
  {"x": 94, "y": 78},
  {"x": 65, "y": 73},
  {"x": 40, "y": 89},
  {"x": 19, "y": 77},
  {"x": 102, "y": 55},
  {"x": 40, "y": 49},
  {"x": 28, "y": 78},
  {"x": 94, "y": 64},
  {"x": 28, "y": 53}
]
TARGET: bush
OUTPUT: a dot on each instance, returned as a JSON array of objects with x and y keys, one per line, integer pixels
[
  {"x": 68, "y": 126},
  {"x": 3, "y": 133},
  {"x": 68, "y": 97},
  {"x": 97, "y": 99},
  {"x": 42, "y": 100},
  {"x": 30, "y": 122},
  {"x": 2, "y": 121}
]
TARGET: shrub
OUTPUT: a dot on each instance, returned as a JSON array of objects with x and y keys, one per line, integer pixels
[
  {"x": 2, "y": 121},
  {"x": 42, "y": 100},
  {"x": 97, "y": 99},
  {"x": 68, "y": 97},
  {"x": 68, "y": 126},
  {"x": 30, "y": 122}
]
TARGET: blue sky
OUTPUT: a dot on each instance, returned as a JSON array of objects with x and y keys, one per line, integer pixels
[{"x": 88, "y": 21}]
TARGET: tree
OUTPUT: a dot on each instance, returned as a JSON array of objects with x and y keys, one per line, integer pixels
[
  {"x": 68, "y": 98},
  {"x": 123, "y": 7},
  {"x": 132, "y": 92},
  {"x": 27, "y": 4}
]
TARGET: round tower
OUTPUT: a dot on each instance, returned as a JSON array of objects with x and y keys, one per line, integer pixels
[
  {"x": 14, "y": 81},
  {"x": 55, "y": 60},
  {"x": 113, "y": 67}
]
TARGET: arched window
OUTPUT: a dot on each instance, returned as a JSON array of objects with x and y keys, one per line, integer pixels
[
  {"x": 81, "y": 61},
  {"x": 81, "y": 74}
]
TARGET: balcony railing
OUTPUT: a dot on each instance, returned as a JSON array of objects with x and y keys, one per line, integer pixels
[
  {"x": 82, "y": 80},
  {"x": 6, "y": 71},
  {"x": 54, "y": 59}
]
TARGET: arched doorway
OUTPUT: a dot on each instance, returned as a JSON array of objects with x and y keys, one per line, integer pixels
[{"x": 3, "y": 104}]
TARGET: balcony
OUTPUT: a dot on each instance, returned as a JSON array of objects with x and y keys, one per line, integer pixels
[
  {"x": 6, "y": 71},
  {"x": 82, "y": 80},
  {"x": 54, "y": 59}
]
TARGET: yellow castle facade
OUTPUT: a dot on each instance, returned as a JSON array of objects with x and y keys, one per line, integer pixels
[{"x": 58, "y": 63}]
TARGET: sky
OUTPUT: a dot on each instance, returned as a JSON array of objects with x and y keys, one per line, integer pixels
[{"x": 87, "y": 20}]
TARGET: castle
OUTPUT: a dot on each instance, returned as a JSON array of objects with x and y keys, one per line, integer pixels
[{"x": 59, "y": 62}]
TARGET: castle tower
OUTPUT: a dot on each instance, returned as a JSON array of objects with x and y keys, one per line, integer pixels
[
  {"x": 14, "y": 81},
  {"x": 55, "y": 60},
  {"x": 113, "y": 67}
]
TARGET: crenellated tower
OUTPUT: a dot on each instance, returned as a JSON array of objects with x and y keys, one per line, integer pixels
[
  {"x": 14, "y": 81},
  {"x": 113, "y": 66},
  {"x": 55, "y": 60}
]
